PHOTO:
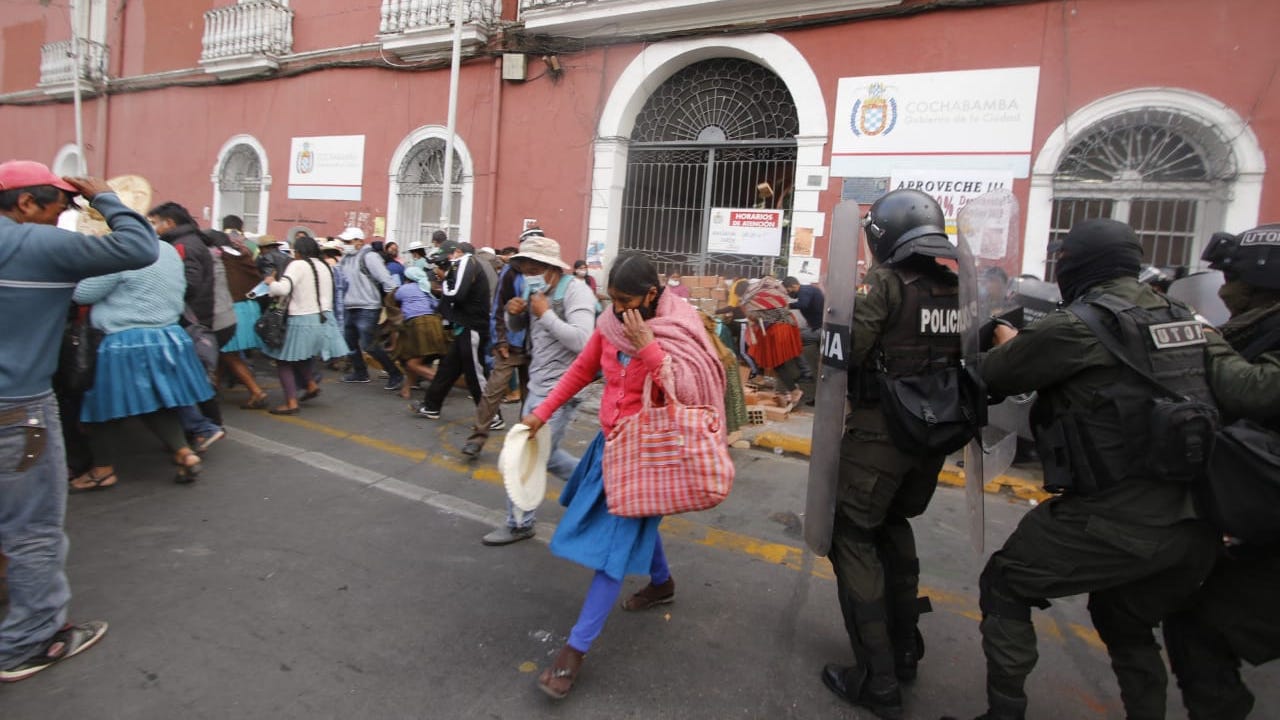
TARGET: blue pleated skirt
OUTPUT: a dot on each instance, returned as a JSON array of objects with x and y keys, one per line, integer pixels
[
  {"x": 307, "y": 337},
  {"x": 247, "y": 313},
  {"x": 143, "y": 370},
  {"x": 589, "y": 535}
]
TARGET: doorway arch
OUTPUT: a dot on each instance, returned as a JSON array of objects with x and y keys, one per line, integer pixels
[{"x": 654, "y": 66}]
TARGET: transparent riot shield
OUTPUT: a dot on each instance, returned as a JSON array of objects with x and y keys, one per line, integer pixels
[
  {"x": 1200, "y": 291},
  {"x": 988, "y": 238},
  {"x": 833, "y": 377}
]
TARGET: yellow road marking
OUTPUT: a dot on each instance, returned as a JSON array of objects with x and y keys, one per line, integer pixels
[{"x": 788, "y": 556}]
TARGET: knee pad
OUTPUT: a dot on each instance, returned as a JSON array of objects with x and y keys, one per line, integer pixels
[{"x": 997, "y": 598}]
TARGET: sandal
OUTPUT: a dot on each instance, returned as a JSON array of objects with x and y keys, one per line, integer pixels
[
  {"x": 95, "y": 482},
  {"x": 651, "y": 596},
  {"x": 557, "y": 680},
  {"x": 189, "y": 467},
  {"x": 309, "y": 394},
  {"x": 284, "y": 410},
  {"x": 257, "y": 402}
]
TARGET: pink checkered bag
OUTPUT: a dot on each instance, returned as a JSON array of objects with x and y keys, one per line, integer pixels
[{"x": 666, "y": 459}]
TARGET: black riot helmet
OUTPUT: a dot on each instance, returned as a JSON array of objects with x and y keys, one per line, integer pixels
[
  {"x": 903, "y": 223},
  {"x": 1253, "y": 257}
]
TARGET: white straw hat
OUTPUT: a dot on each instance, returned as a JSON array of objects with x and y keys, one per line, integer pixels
[{"x": 523, "y": 464}]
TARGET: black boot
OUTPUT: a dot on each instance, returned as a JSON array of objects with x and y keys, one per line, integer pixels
[
  {"x": 907, "y": 654},
  {"x": 878, "y": 693}
]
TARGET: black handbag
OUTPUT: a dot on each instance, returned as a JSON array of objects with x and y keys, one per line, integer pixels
[
  {"x": 274, "y": 323},
  {"x": 77, "y": 357}
]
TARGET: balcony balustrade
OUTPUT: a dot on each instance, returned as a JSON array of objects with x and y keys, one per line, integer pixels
[
  {"x": 247, "y": 38},
  {"x": 58, "y": 67},
  {"x": 421, "y": 28},
  {"x": 587, "y": 18}
]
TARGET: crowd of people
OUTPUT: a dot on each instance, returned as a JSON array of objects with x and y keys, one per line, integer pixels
[{"x": 147, "y": 321}]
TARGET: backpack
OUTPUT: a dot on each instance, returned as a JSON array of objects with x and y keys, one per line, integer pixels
[
  {"x": 1241, "y": 496},
  {"x": 1182, "y": 428}
]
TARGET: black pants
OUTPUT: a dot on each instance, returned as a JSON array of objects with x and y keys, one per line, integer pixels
[
  {"x": 465, "y": 357},
  {"x": 1135, "y": 576},
  {"x": 873, "y": 549},
  {"x": 109, "y": 438},
  {"x": 1232, "y": 618}
]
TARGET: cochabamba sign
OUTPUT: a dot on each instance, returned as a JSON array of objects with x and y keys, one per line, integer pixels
[{"x": 966, "y": 112}]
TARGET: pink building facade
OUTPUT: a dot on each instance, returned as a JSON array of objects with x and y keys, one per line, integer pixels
[{"x": 626, "y": 124}]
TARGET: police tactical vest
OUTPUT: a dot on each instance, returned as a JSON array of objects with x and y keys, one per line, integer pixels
[
  {"x": 924, "y": 334},
  {"x": 1134, "y": 428},
  {"x": 924, "y": 394}
]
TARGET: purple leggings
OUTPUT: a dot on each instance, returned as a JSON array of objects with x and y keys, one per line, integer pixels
[
  {"x": 603, "y": 595},
  {"x": 293, "y": 375}
]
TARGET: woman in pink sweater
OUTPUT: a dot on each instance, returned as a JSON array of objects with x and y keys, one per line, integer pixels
[{"x": 645, "y": 330}]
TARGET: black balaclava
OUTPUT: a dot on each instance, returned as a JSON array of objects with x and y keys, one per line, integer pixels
[{"x": 1095, "y": 251}]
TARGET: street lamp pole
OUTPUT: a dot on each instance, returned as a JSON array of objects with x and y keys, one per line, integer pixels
[
  {"x": 82, "y": 166},
  {"x": 446, "y": 201}
]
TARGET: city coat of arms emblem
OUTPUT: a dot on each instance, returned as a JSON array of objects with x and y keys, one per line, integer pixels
[
  {"x": 876, "y": 114},
  {"x": 306, "y": 161}
]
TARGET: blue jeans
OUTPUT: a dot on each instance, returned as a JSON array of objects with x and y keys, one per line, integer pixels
[
  {"x": 33, "y": 503},
  {"x": 360, "y": 331},
  {"x": 194, "y": 422},
  {"x": 560, "y": 463}
]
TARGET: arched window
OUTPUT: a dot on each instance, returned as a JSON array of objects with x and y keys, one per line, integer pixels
[
  {"x": 719, "y": 133},
  {"x": 240, "y": 187},
  {"x": 419, "y": 191},
  {"x": 1161, "y": 171}
]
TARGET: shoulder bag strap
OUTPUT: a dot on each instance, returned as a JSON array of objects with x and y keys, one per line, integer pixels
[{"x": 1092, "y": 318}]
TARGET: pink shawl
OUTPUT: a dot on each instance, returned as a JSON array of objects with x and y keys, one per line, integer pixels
[{"x": 699, "y": 374}]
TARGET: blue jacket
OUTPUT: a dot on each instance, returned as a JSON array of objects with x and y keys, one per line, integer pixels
[{"x": 39, "y": 268}]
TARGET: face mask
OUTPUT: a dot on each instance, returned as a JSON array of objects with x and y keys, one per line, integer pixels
[
  {"x": 673, "y": 282},
  {"x": 534, "y": 284},
  {"x": 580, "y": 273},
  {"x": 646, "y": 313},
  {"x": 1236, "y": 295},
  {"x": 348, "y": 250}
]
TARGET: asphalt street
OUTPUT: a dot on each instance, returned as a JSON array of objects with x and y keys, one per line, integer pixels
[{"x": 328, "y": 565}]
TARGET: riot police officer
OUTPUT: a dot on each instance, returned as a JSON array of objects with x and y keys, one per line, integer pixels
[
  {"x": 1233, "y": 614},
  {"x": 1128, "y": 536},
  {"x": 880, "y": 484}
]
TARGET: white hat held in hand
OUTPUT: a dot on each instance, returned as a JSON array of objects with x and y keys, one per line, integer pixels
[{"x": 523, "y": 464}]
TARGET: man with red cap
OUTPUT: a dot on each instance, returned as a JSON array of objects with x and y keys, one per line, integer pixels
[{"x": 40, "y": 265}]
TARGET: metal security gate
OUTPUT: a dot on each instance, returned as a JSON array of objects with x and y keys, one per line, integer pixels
[
  {"x": 719, "y": 133},
  {"x": 671, "y": 190},
  {"x": 421, "y": 193}
]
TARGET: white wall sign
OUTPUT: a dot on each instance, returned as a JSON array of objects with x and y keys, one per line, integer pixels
[
  {"x": 884, "y": 122},
  {"x": 951, "y": 188},
  {"x": 807, "y": 270},
  {"x": 328, "y": 167},
  {"x": 745, "y": 232},
  {"x": 966, "y": 111}
]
